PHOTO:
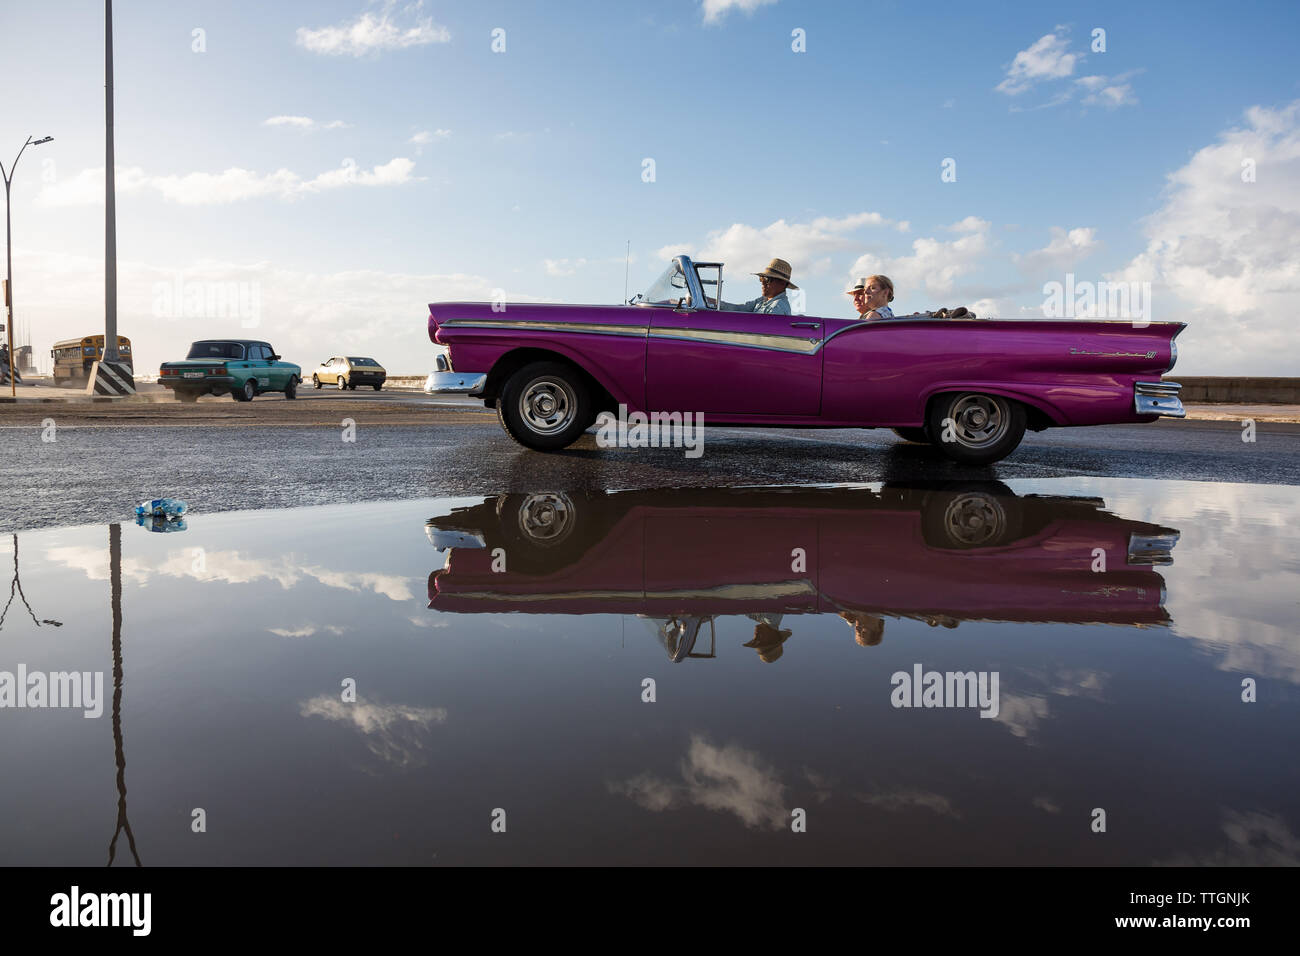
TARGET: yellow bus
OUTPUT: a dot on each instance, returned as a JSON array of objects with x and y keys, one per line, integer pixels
[{"x": 73, "y": 357}]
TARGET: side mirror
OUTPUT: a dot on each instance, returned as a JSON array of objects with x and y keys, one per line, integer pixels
[{"x": 274, "y": 357}]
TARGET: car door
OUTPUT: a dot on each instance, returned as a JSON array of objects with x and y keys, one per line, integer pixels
[
  {"x": 273, "y": 372},
  {"x": 257, "y": 366},
  {"x": 734, "y": 363}
]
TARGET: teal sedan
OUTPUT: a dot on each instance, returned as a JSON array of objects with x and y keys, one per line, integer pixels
[{"x": 244, "y": 368}]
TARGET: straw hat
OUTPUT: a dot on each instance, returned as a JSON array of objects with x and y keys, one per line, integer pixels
[
  {"x": 778, "y": 269},
  {"x": 856, "y": 287},
  {"x": 767, "y": 641}
]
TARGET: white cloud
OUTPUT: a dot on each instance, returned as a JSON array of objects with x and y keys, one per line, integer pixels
[
  {"x": 231, "y": 185},
  {"x": 746, "y": 248},
  {"x": 563, "y": 267},
  {"x": 1221, "y": 251},
  {"x": 898, "y": 800},
  {"x": 372, "y": 33},
  {"x": 970, "y": 224},
  {"x": 1062, "y": 252},
  {"x": 303, "y": 123},
  {"x": 1108, "y": 92},
  {"x": 425, "y": 137},
  {"x": 715, "y": 11},
  {"x": 1252, "y": 839},
  {"x": 398, "y": 734},
  {"x": 731, "y": 779},
  {"x": 934, "y": 264},
  {"x": 1045, "y": 59},
  {"x": 234, "y": 567}
]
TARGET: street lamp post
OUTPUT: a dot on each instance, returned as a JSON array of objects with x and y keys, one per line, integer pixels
[{"x": 9, "y": 256}]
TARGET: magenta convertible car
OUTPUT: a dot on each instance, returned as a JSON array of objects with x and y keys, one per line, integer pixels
[{"x": 968, "y": 386}]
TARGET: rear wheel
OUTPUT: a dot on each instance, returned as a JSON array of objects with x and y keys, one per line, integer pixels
[
  {"x": 245, "y": 394},
  {"x": 291, "y": 390},
  {"x": 974, "y": 428},
  {"x": 917, "y": 435},
  {"x": 315, "y": 382},
  {"x": 545, "y": 405},
  {"x": 963, "y": 520},
  {"x": 340, "y": 382},
  {"x": 378, "y": 387}
]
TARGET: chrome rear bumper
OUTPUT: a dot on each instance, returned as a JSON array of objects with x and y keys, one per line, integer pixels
[
  {"x": 1158, "y": 398},
  {"x": 1151, "y": 548},
  {"x": 455, "y": 381}
]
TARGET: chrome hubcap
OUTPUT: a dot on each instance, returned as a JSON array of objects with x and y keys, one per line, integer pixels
[
  {"x": 974, "y": 519},
  {"x": 979, "y": 420},
  {"x": 546, "y": 518},
  {"x": 547, "y": 406}
]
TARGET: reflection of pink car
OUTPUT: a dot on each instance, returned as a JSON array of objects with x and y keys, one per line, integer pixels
[
  {"x": 937, "y": 553},
  {"x": 969, "y": 386}
]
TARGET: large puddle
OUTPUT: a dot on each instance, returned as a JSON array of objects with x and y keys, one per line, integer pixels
[{"x": 1082, "y": 671}]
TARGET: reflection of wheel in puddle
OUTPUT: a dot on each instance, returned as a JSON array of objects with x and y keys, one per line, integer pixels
[
  {"x": 546, "y": 519},
  {"x": 975, "y": 519}
]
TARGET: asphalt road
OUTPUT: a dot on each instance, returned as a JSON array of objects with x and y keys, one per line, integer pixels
[{"x": 219, "y": 456}]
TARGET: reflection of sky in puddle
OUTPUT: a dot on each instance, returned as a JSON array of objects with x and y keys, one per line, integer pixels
[{"x": 237, "y": 634}]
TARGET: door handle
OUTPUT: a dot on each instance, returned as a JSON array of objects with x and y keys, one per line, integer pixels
[{"x": 805, "y": 325}]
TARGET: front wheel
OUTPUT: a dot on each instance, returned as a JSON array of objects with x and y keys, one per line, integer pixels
[
  {"x": 976, "y": 429},
  {"x": 545, "y": 406},
  {"x": 291, "y": 389}
]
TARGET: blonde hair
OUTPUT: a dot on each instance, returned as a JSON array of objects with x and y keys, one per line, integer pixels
[{"x": 884, "y": 280}]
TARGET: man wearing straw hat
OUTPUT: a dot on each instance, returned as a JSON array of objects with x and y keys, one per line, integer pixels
[
  {"x": 775, "y": 279},
  {"x": 870, "y": 297}
]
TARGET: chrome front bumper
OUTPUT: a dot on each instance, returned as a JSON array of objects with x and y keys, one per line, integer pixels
[
  {"x": 1158, "y": 398},
  {"x": 455, "y": 381},
  {"x": 442, "y": 539}
]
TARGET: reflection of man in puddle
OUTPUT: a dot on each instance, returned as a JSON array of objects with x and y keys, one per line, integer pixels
[
  {"x": 768, "y": 637},
  {"x": 868, "y": 629}
]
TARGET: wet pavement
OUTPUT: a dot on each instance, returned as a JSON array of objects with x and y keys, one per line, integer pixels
[
  {"x": 98, "y": 473},
  {"x": 1101, "y": 634}
]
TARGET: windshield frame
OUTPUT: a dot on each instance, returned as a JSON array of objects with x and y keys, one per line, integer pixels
[{"x": 694, "y": 298}]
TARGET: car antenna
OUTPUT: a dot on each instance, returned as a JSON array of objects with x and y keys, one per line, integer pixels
[{"x": 626, "y": 262}]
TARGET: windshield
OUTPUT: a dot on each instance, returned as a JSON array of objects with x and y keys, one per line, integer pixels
[
  {"x": 669, "y": 289},
  {"x": 228, "y": 350}
]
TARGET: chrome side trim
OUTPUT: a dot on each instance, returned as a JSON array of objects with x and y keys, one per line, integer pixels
[
  {"x": 1158, "y": 398},
  {"x": 596, "y": 329},
  {"x": 439, "y": 382},
  {"x": 726, "y": 592},
  {"x": 753, "y": 340},
  {"x": 778, "y": 343}
]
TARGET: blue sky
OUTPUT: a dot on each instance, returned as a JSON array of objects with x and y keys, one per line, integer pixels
[{"x": 522, "y": 170}]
